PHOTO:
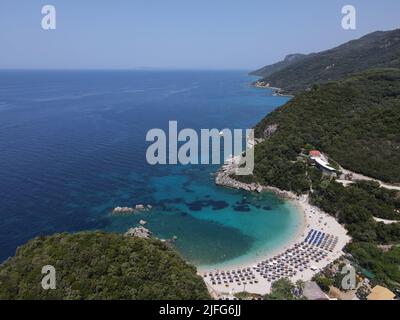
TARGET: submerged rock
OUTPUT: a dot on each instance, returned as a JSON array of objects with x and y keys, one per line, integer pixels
[{"x": 123, "y": 210}]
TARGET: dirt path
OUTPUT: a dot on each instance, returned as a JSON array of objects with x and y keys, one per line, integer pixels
[{"x": 357, "y": 176}]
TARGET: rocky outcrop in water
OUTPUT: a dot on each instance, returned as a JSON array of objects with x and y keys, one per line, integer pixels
[
  {"x": 140, "y": 232},
  {"x": 224, "y": 178},
  {"x": 128, "y": 210}
]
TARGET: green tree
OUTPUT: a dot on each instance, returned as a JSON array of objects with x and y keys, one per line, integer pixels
[{"x": 281, "y": 290}]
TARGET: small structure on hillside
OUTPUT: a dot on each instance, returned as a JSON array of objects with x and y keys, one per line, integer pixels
[
  {"x": 318, "y": 159},
  {"x": 312, "y": 291},
  {"x": 337, "y": 294},
  {"x": 315, "y": 153},
  {"x": 381, "y": 293}
]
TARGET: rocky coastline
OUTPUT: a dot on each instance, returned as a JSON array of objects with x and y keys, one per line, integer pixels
[
  {"x": 224, "y": 178},
  {"x": 278, "y": 92}
]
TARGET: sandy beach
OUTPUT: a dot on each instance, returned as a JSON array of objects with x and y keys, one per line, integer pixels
[{"x": 315, "y": 245}]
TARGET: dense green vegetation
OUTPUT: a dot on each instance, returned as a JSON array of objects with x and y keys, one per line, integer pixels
[
  {"x": 355, "y": 206},
  {"x": 244, "y": 295},
  {"x": 355, "y": 121},
  {"x": 324, "y": 283},
  {"x": 383, "y": 264},
  {"x": 375, "y": 50},
  {"x": 95, "y": 265},
  {"x": 281, "y": 290}
]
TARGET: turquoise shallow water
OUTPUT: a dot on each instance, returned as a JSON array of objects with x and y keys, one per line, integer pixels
[
  {"x": 216, "y": 226},
  {"x": 72, "y": 147}
]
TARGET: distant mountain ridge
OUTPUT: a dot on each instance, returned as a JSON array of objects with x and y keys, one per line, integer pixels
[
  {"x": 298, "y": 72},
  {"x": 268, "y": 70}
]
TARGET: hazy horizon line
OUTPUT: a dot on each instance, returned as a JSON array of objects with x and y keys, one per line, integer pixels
[{"x": 127, "y": 69}]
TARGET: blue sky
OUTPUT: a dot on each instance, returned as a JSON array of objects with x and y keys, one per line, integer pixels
[{"x": 182, "y": 34}]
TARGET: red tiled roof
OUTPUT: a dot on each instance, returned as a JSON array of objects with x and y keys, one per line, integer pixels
[{"x": 315, "y": 153}]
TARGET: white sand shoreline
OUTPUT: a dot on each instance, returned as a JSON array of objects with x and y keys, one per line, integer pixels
[
  {"x": 314, "y": 219},
  {"x": 300, "y": 230}
]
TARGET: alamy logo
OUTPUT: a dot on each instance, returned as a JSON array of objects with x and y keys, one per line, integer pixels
[
  {"x": 49, "y": 280},
  {"x": 49, "y": 20},
  {"x": 164, "y": 149},
  {"x": 349, "y": 279},
  {"x": 349, "y": 20}
]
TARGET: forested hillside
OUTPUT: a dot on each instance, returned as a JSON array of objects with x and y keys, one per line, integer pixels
[
  {"x": 356, "y": 121},
  {"x": 96, "y": 265},
  {"x": 375, "y": 50}
]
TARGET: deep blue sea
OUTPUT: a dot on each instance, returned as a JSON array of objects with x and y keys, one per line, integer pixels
[{"x": 72, "y": 147}]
